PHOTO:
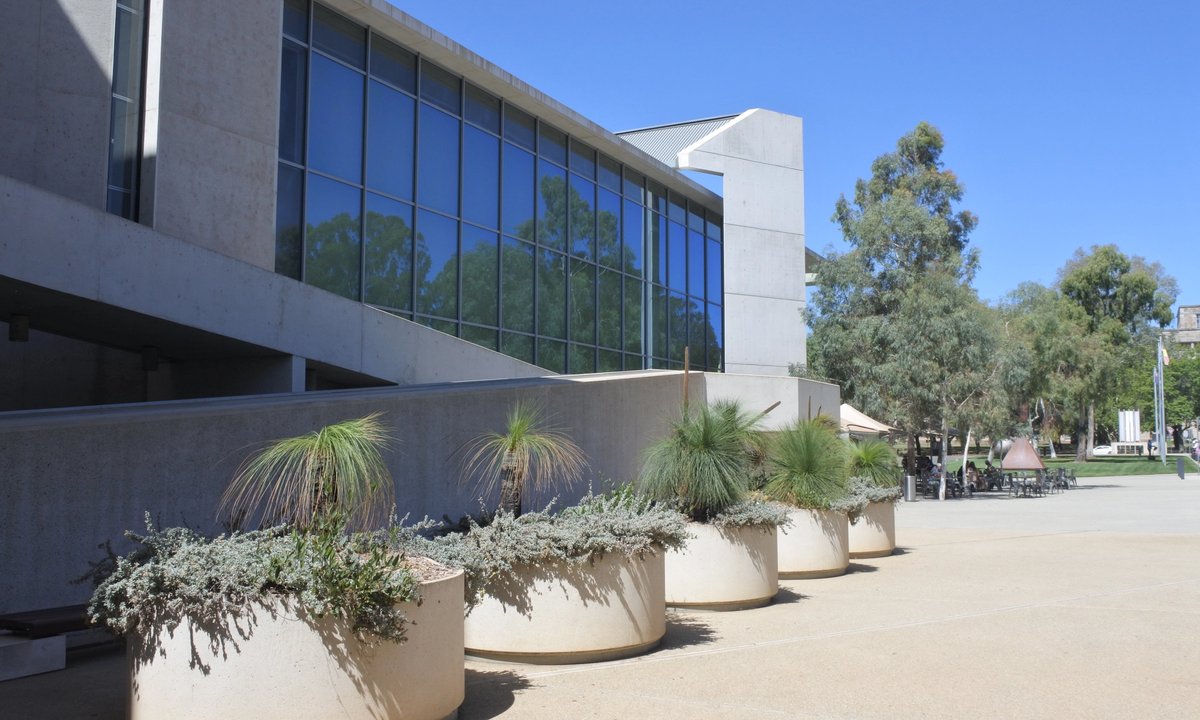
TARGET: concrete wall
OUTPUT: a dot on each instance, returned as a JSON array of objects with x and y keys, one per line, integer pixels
[
  {"x": 74, "y": 479},
  {"x": 56, "y": 81},
  {"x": 211, "y": 125},
  {"x": 761, "y": 156}
]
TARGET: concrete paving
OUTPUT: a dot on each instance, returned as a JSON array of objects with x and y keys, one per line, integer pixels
[{"x": 1084, "y": 604}]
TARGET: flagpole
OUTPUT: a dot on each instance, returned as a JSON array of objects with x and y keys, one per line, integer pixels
[{"x": 1160, "y": 403}]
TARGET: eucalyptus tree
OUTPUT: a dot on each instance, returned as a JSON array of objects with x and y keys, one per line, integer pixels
[{"x": 894, "y": 319}]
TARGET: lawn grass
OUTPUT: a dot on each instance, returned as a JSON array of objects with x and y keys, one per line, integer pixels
[{"x": 1102, "y": 466}]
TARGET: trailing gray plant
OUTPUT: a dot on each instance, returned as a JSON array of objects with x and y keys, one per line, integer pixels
[
  {"x": 865, "y": 490},
  {"x": 177, "y": 573},
  {"x": 852, "y": 506},
  {"x": 754, "y": 512},
  {"x": 620, "y": 523}
]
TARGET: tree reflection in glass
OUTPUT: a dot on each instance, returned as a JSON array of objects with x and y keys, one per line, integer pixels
[{"x": 389, "y": 253}]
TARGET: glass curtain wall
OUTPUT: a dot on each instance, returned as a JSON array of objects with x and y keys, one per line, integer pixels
[
  {"x": 125, "y": 121},
  {"x": 404, "y": 186}
]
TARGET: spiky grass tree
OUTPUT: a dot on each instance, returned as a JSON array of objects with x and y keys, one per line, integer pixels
[
  {"x": 527, "y": 455},
  {"x": 809, "y": 465},
  {"x": 331, "y": 478},
  {"x": 874, "y": 460},
  {"x": 704, "y": 463}
]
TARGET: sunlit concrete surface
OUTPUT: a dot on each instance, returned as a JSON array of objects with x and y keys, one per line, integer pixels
[{"x": 1084, "y": 604}]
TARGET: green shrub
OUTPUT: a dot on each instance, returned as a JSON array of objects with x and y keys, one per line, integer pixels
[{"x": 808, "y": 466}]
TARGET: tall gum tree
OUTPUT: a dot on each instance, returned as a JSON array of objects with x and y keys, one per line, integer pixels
[{"x": 894, "y": 320}]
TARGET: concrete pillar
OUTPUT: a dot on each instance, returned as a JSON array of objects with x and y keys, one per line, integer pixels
[{"x": 761, "y": 156}]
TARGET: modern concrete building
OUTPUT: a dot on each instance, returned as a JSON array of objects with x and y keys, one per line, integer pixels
[
  {"x": 1187, "y": 329},
  {"x": 217, "y": 199}
]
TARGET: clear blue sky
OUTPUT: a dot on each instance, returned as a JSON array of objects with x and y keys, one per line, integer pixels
[{"x": 1070, "y": 123}]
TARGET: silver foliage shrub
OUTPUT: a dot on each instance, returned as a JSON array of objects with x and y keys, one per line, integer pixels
[
  {"x": 177, "y": 573},
  {"x": 753, "y": 512},
  {"x": 619, "y": 523}
]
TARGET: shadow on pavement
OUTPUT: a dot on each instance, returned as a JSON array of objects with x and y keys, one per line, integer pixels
[
  {"x": 685, "y": 631},
  {"x": 490, "y": 693}
]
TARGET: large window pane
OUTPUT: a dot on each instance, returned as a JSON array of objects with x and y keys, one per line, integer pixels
[
  {"x": 332, "y": 253},
  {"x": 677, "y": 210},
  {"x": 517, "y": 346},
  {"x": 677, "y": 309},
  {"x": 394, "y": 64},
  {"x": 389, "y": 253},
  {"x": 610, "y": 173},
  {"x": 583, "y": 160},
  {"x": 583, "y": 302},
  {"x": 552, "y": 294},
  {"x": 658, "y": 248},
  {"x": 480, "y": 272},
  {"x": 335, "y": 130},
  {"x": 609, "y": 314},
  {"x": 658, "y": 321},
  {"x": 485, "y": 337},
  {"x": 441, "y": 88},
  {"x": 520, "y": 127},
  {"x": 677, "y": 257},
  {"x": 483, "y": 109},
  {"x": 716, "y": 338},
  {"x": 437, "y": 177},
  {"x": 633, "y": 226},
  {"x": 714, "y": 291},
  {"x": 390, "y": 128},
  {"x": 656, "y": 197},
  {"x": 292, "y": 81},
  {"x": 610, "y": 361},
  {"x": 695, "y": 218},
  {"x": 518, "y": 204},
  {"x": 337, "y": 36},
  {"x": 713, "y": 227},
  {"x": 552, "y": 144},
  {"x": 697, "y": 334},
  {"x": 481, "y": 177},
  {"x": 583, "y": 217},
  {"x": 288, "y": 204},
  {"x": 634, "y": 186},
  {"x": 552, "y": 355},
  {"x": 633, "y": 315},
  {"x": 581, "y": 359},
  {"x": 123, "y": 150},
  {"x": 437, "y": 265},
  {"x": 695, "y": 263},
  {"x": 551, "y": 209},
  {"x": 517, "y": 286},
  {"x": 608, "y": 228}
]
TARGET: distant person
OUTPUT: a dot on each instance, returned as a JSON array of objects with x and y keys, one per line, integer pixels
[
  {"x": 1150, "y": 449},
  {"x": 1177, "y": 438}
]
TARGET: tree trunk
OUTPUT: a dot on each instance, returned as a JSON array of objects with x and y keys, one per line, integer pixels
[
  {"x": 1081, "y": 454},
  {"x": 1091, "y": 436},
  {"x": 912, "y": 456},
  {"x": 510, "y": 490},
  {"x": 945, "y": 439}
]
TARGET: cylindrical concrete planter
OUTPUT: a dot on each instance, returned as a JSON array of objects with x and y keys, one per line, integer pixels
[
  {"x": 724, "y": 568},
  {"x": 815, "y": 545},
  {"x": 874, "y": 535},
  {"x": 559, "y": 612},
  {"x": 278, "y": 662}
]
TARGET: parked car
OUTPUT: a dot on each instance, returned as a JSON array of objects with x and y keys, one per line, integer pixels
[{"x": 1104, "y": 450}]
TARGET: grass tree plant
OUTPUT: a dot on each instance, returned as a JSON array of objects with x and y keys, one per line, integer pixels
[
  {"x": 809, "y": 465},
  {"x": 527, "y": 455}
]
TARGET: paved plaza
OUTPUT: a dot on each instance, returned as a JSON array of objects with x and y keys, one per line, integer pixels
[{"x": 1082, "y": 604}]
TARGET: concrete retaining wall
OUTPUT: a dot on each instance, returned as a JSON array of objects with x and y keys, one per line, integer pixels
[{"x": 73, "y": 479}]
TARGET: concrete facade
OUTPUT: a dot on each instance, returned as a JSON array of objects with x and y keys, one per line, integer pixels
[
  {"x": 190, "y": 348},
  {"x": 761, "y": 156}
]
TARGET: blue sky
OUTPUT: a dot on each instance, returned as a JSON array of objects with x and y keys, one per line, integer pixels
[{"x": 1070, "y": 123}]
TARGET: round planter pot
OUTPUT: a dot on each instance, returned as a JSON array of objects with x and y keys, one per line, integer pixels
[
  {"x": 565, "y": 612},
  {"x": 278, "y": 662},
  {"x": 724, "y": 568},
  {"x": 815, "y": 545},
  {"x": 874, "y": 535}
]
